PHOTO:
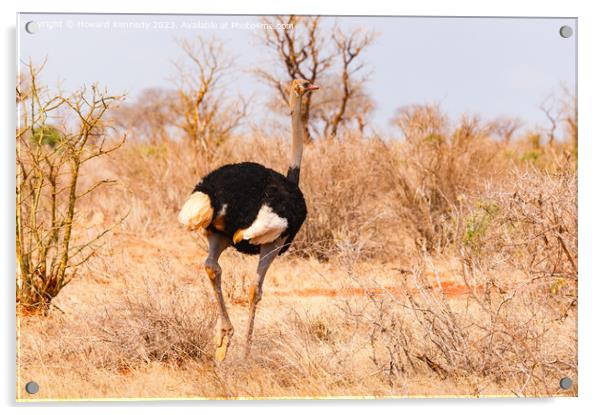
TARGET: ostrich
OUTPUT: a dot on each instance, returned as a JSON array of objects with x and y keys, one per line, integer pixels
[{"x": 252, "y": 208}]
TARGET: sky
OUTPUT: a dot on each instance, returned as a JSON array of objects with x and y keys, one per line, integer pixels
[{"x": 491, "y": 67}]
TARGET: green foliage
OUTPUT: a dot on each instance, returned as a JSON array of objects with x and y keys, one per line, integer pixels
[
  {"x": 435, "y": 139},
  {"x": 478, "y": 224},
  {"x": 557, "y": 285},
  {"x": 534, "y": 141},
  {"x": 153, "y": 150},
  {"x": 47, "y": 135},
  {"x": 532, "y": 156}
]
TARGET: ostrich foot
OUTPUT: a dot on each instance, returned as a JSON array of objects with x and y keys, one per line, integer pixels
[{"x": 222, "y": 341}]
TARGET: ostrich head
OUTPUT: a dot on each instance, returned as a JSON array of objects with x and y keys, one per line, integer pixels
[{"x": 301, "y": 86}]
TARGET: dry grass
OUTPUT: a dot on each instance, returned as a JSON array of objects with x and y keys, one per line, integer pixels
[
  {"x": 442, "y": 264},
  {"x": 148, "y": 334}
]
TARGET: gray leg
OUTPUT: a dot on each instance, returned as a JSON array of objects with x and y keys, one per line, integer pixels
[
  {"x": 217, "y": 244},
  {"x": 266, "y": 255}
]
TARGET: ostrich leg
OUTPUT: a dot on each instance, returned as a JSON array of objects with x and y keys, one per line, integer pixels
[
  {"x": 267, "y": 254},
  {"x": 217, "y": 244}
]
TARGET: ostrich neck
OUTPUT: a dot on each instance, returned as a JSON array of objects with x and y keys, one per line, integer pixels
[{"x": 297, "y": 141}]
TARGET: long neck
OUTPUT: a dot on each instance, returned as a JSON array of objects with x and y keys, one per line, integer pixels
[{"x": 297, "y": 142}]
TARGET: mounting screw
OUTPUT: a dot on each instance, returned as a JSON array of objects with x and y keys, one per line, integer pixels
[
  {"x": 32, "y": 387},
  {"x": 31, "y": 27},
  {"x": 566, "y": 31},
  {"x": 566, "y": 383}
]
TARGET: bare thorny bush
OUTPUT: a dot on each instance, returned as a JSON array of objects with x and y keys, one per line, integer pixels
[
  {"x": 50, "y": 158},
  {"x": 518, "y": 256},
  {"x": 529, "y": 224},
  {"x": 351, "y": 212}
]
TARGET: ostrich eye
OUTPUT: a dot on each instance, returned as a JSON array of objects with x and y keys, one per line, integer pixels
[{"x": 305, "y": 84}]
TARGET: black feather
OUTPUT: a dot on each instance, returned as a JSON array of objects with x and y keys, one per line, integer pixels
[
  {"x": 245, "y": 188},
  {"x": 292, "y": 175}
]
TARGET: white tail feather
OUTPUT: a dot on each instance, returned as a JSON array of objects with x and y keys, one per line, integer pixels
[{"x": 196, "y": 212}]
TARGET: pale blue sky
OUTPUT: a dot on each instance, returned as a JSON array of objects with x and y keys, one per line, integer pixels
[{"x": 487, "y": 66}]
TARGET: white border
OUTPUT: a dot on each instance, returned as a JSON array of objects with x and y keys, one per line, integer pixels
[{"x": 590, "y": 161}]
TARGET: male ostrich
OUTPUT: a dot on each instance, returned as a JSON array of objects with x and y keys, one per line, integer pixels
[{"x": 252, "y": 208}]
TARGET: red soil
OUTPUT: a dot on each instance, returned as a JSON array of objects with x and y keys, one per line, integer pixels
[{"x": 448, "y": 288}]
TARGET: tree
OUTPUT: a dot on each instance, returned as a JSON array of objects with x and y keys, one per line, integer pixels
[
  {"x": 560, "y": 110},
  {"x": 50, "y": 158},
  {"x": 570, "y": 116},
  {"x": 553, "y": 113},
  {"x": 304, "y": 51},
  {"x": 152, "y": 117},
  {"x": 349, "y": 46},
  {"x": 208, "y": 118},
  {"x": 505, "y": 128}
]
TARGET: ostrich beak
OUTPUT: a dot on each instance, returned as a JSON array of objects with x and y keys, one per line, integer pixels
[{"x": 312, "y": 87}]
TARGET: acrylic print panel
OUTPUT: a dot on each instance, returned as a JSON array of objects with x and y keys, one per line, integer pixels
[{"x": 223, "y": 207}]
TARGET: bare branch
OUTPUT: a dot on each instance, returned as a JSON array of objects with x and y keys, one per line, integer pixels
[
  {"x": 205, "y": 122},
  {"x": 303, "y": 51}
]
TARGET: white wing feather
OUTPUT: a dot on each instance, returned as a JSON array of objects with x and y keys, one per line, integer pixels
[{"x": 266, "y": 228}]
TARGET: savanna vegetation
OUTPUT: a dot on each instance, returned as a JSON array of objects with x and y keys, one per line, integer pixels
[{"x": 441, "y": 260}]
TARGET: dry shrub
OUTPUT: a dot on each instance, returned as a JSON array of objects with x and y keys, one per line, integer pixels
[
  {"x": 163, "y": 323},
  {"x": 436, "y": 165},
  {"x": 532, "y": 150},
  {"x": 510, "y": 338},
  {"x": 346, "y": 194},
  {"x": 518, "y": 256},
  {"x": 528, "y": 224},
  {"x": 157, "y": 321},
  {"x": 155, "y": 179},
  {"x": 304, "y": 355}
]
